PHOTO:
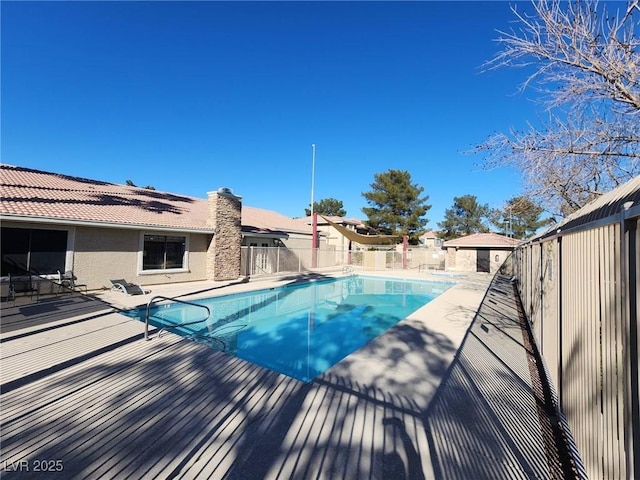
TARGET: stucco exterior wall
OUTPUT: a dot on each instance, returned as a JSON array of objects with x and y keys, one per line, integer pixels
[
  {"x": 332, "y": 237},
  {"x": 302, "y": 241},
  {"x": 450, "y": 259},
  {"x": 102, "y": 254},
  {"x": 465, "y": 259},
  {"x": 501, "y": 257}
]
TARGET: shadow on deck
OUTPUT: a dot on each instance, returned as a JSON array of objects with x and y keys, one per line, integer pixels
[
  {"x": 494, "y": 415},
  {"x": 174, "y": 409}
]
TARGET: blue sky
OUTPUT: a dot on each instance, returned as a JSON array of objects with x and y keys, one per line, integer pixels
[{"x": 192, "y": 96}]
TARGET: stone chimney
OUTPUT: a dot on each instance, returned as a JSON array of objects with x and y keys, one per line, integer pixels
[{"x": 223, "y": 254}]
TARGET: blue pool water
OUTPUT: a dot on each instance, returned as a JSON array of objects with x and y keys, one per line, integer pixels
[{"x": 299, "y": 330}]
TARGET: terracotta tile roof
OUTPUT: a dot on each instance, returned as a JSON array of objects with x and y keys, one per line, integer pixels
[
  {"x": 482, "y": 240},
  {"x": 33, "y": 193},
  {"x": 259, "y": 220}
]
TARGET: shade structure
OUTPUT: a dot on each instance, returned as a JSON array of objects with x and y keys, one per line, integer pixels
[{"x": 359, "y": 238}]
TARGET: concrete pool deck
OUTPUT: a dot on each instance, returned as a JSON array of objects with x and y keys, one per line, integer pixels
[{"x": 447, "y": 393}]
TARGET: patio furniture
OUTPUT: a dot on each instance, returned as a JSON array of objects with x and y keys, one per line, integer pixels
[
  {"x": 128, "y": 288},
  {"x": 67, "y": 281},
  {"x": 5, "y": 290},
  {"x": 23, "y": 285}
]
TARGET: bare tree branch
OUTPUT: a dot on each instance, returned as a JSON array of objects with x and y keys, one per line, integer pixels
[
  {"x": 577, "y": 51},
  {"x": 586, "y": 63}
]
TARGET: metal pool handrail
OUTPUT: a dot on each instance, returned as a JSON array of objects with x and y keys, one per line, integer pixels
[
  {"x": 209, "y": 338},
  {"x": 160, "y": 297}
]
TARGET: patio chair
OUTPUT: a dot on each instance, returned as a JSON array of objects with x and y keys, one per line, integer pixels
[
  {"x": 67, "y": 281},
  {"x": 22, "y": 285},
  {"x": 127, "y": 288}
]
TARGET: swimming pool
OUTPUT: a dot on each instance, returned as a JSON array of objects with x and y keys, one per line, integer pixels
[{"x": 299, "y": 330}]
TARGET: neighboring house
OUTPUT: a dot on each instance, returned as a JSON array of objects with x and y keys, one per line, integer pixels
[
  {"x": 102, "y": 231},
  {"x": 266, "y": 228},
  {"x": 430, "y": 239},
  {"x": 479, "y": 252}
]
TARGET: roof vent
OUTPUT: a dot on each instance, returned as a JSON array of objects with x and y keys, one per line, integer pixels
[{"x": 225, "y": 191}]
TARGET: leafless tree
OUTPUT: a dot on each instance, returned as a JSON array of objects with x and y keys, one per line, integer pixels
[{"x": 585, "y": 61}]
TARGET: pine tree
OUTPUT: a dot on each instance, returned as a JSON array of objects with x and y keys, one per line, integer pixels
[
  {"x": 330, "y": 207},
  {"x": 396, "y": 207},
  {"x": 465, "y": 217}
]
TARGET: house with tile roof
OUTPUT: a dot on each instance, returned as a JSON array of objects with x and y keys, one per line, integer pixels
[
  {"x": 478, "y": 252},
  {"x": 430, "y": 239},
  {"x": 101, "y": 231}
]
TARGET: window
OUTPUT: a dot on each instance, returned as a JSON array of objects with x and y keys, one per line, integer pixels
[
  {"x": 163, "y": 252},
  {"x": 38, "y": 251}
]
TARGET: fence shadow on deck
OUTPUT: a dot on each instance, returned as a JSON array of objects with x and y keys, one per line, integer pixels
[
  {"x": 174, "y": 409},
  {"x": 182, "y": 409},
  {"x": 490, "y": 417}
]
